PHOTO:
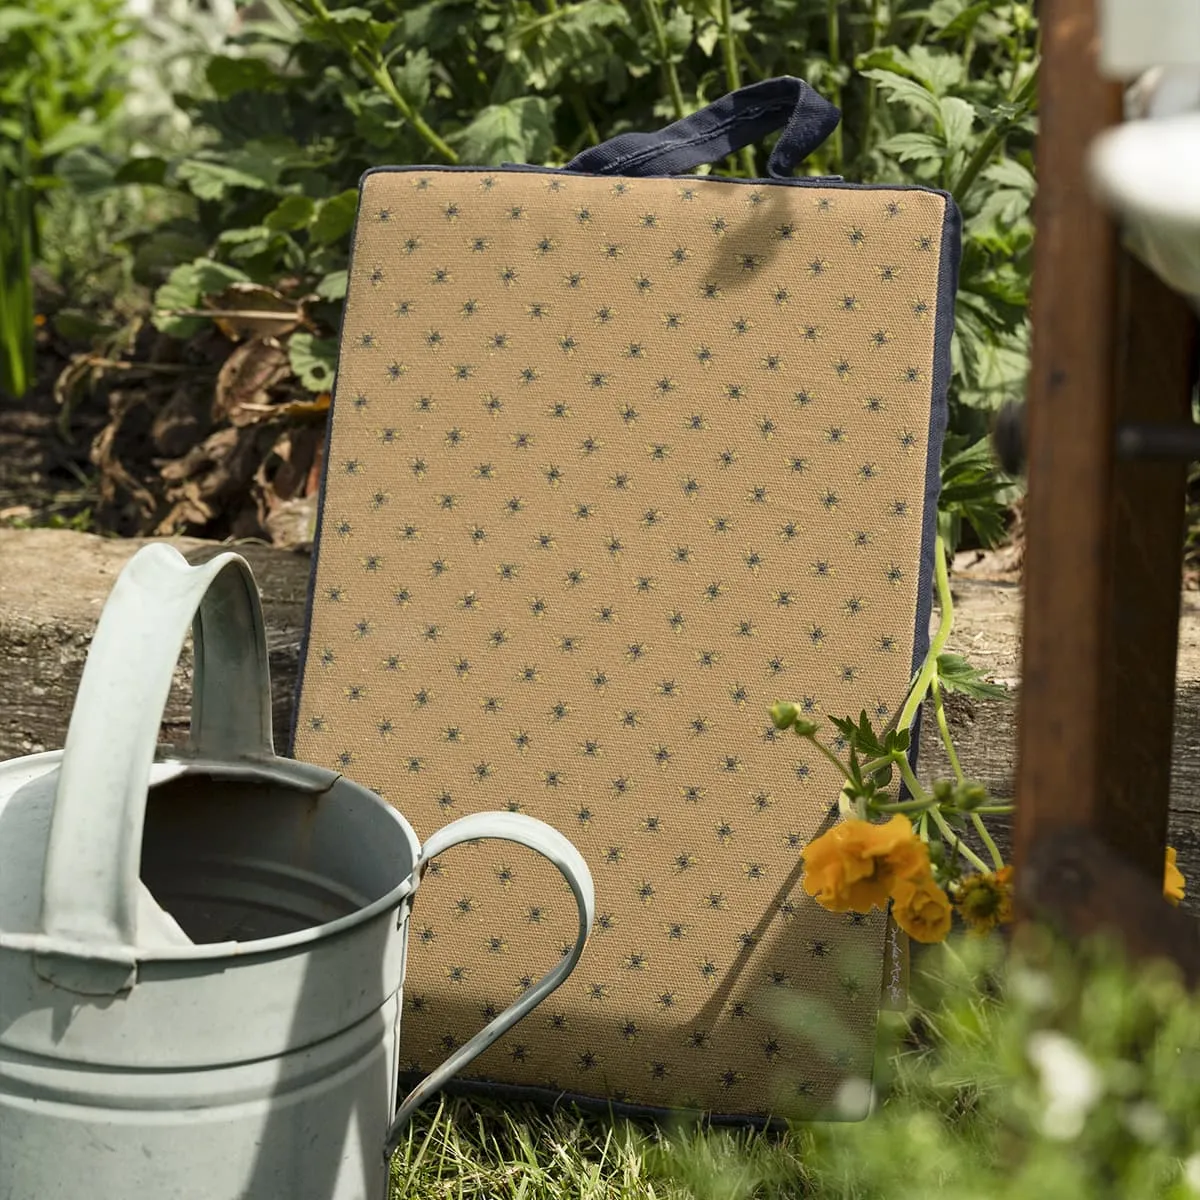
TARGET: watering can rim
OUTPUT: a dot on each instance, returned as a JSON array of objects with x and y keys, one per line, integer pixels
[{"x": 92, "y": 897}]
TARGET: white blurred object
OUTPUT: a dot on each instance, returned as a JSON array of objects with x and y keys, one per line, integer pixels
[
  {"x": 1147, "y": 171},
  {"x": 1136, "y": 35}
]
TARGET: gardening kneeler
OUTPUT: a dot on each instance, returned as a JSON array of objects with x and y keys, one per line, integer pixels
[{"x": 618, "y": 457}]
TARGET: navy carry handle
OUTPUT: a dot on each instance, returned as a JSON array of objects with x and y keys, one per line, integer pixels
[{"x": 727, "y": 125}]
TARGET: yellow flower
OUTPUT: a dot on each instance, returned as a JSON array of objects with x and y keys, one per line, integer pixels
[
  {"x": 921, "y": 908},
  {"x": 985, "y": 901},
  {"x": 1173, "y": 880},
  {"x": 854, "y": 865}
]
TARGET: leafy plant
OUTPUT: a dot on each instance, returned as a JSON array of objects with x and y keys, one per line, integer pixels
[
  {"x": 1046, "y": 1068},
  {"x": 259, "y": 201},
  {"x": 60, "y": 69},
  {"x": 912, "y": 863}
]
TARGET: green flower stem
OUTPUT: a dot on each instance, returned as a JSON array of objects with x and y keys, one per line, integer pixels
[
  {"x": 872, "y": 88},
  {"x": 996, "y": 810},
  {"x": 749, "y": 61},
  {"x": 733, "y": 76},
  {"x": 928, "y": 671},
  {"x": 914, "y": 786},
  {"x": 829, "y": 754},
  {"x": 986, "y": 838},
  {"x": 944, "y": 729},
  {"x": 992, "y": 140},
  {"x": 377, "y": 73},
  {"x": 904, "y": 806},
  {"x": 835, "y": 56},
  {"x": 877, "y": 764},
  {"x": 654, "y": 16},
  {"x": 1018, "y": 59}
]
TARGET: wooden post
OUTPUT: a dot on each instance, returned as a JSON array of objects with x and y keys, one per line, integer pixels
[{"x": 1111, "y": 344}]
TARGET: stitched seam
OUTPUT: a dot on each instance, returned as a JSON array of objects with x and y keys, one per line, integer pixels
[{"x": 637, "y": 157}]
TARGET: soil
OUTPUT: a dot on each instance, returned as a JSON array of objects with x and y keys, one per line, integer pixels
[{"x": 44, "y": 477}]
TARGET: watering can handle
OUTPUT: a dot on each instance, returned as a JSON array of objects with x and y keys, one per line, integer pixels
[
  {"x": 551, "y": 845},
  {"x": 89, "y": 897}
]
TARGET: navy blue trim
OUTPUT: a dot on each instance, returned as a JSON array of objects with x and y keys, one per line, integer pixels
[
  {"x": 721, "y": 128},
  {"x": 939, "y": 417},
  {"x": 951, "y": 253},
  {"x": 647, "y": 1113},
  {"x": 310, "y": 596}
]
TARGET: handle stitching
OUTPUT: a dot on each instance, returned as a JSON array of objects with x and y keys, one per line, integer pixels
[{"x": 635, "y": 157}]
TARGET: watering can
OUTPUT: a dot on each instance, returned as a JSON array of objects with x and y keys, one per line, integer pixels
[{"x": 202, "y": 950}]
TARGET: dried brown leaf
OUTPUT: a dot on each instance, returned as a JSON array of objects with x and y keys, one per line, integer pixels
[
  {"x": 242, "y": 394},
  {"x": 247, "y": 310}
]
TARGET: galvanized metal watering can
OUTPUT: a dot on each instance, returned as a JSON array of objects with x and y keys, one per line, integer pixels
[{"x": 202, "y": 951}]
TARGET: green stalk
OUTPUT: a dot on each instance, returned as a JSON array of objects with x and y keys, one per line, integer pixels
[
  {"x": 1018, "y": 59},
  {"x": 749, "y": 61},
  {"x": 733, "y": 77},
  {"x": 986, "y": 838},
  {"x": 833, "y": 758},
  {"x": 835, "y": 61},
  {"x": 991, "y": 142},
  {"x": 914, "y": 786},
  {"x": 872, "y": 90},
  {"x": 16, "y": 281},
  {"x": 928, "y": 671},
  {"x": 654, "y": 16},
  {"x": 944, "y": 729}
]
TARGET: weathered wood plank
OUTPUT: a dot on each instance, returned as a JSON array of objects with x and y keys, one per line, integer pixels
[
  {"x": 1068, "y": 668},
  {"x": 53, "y": 584}
]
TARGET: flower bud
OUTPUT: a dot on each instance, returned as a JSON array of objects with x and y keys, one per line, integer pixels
[
  {"x": 943, "y": 790},
  {"x": 784, "y": 714},
  {"x": 969, "y": 796}
]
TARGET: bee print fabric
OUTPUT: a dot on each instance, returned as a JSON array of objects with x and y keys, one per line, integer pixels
[{"x": 614, "y": 464}]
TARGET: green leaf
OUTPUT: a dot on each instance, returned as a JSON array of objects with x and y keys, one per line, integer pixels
[
  {"x": 228, "y": 76},
  {"x": 413, "y": 78},
  {"x": 708, "y": 37},
  {"x": 936, "y": 69},
  {"x": 71, "y": 135},
  {"x": 163, "y": 251},
  {"x": 957, "y": 675},
  {"x": 335, "y": 217},
  {"x": 1009, "y": 173},
  {"x": 211, "y": 180},
  {"x": 214, "y": 277},
  {"x": 314, "y": 360},
  {"x": 973, "y": 489},
  {"x": 900, "y": 90},
  {"x": 85, "y": 170},
  {"x": 333, "y": 286},
  {"x": 14, "y": 19},
  {"x": 181, "y": 290},
  {"x": 913, "y": 147},
  {"x": 957, "y": 117},
  {"x": 962, "y": 24},
  {"x": 678, "y": 28},
  {"x": 349, "y": 26},
  {"x": 292, "y": 212},
  {"x": 147, "y": 169},
  {"x": 347, "y": 16},
  {"x": 518, "y": 131}
]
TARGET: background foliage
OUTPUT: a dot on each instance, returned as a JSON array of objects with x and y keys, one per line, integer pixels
[{"x": 250, "y": 182}]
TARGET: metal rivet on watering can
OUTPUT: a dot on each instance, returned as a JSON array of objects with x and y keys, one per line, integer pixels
[{"x": 202, "y": 950}]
